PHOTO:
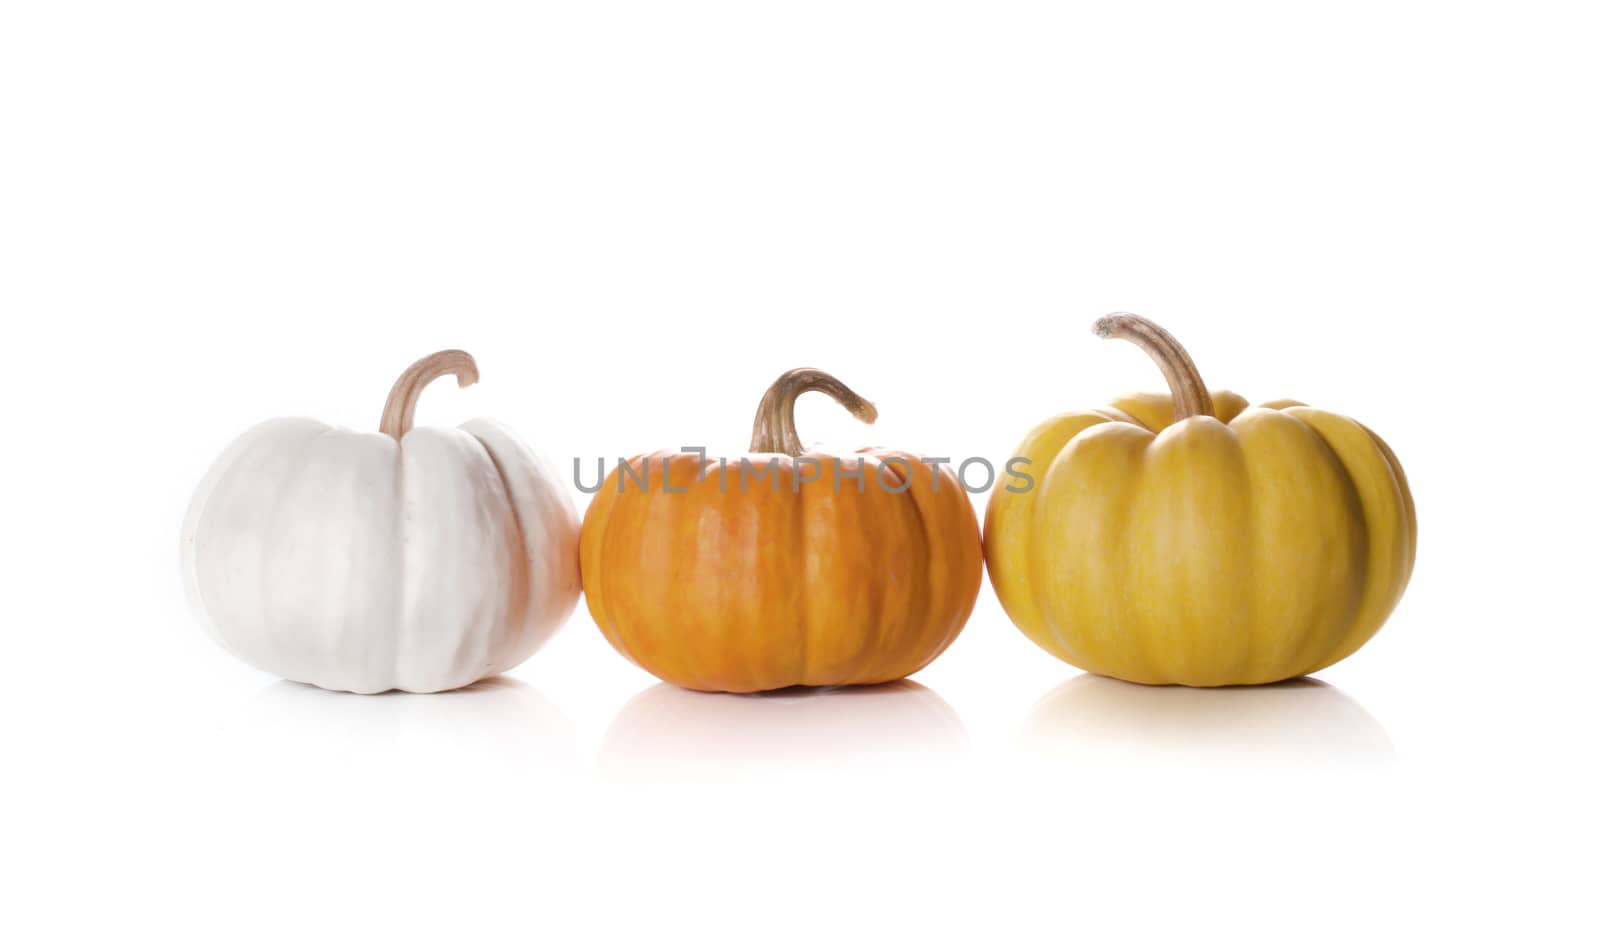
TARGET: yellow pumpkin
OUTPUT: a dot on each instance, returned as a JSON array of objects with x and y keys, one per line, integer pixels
[{"x": 1192, "y": 540}]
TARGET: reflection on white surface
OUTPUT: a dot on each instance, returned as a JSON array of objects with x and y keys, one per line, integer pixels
[
  {"x": 493, "y": 724},
  {"x": 894, "y": 724},
  {"x": 1303, "y": 721}
]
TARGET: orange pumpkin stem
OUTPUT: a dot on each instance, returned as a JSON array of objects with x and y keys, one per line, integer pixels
[
  {"x": 1189, "y": 394},
  {"x": 774, "y": 431},
  {"x": 401, "y": 407}
]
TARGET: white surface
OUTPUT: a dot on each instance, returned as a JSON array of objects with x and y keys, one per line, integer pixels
[{"x": 636, "y": 216}]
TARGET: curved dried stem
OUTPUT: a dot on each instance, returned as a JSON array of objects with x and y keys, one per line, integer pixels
[
  {"x": 401, "y": 407},
  {"x": 774, "y": 431},
  {"x": 1189, "y": 394}
]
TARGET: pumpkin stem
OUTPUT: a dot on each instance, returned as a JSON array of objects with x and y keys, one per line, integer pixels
[
  {"x": 774, "y": 431},
  {"x": 401, "y": 407},
  {"x": 1189, "y": 395}
]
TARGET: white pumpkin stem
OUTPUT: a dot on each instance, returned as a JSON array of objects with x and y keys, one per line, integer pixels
[
  {"x": 774, "y": 431},
  {"x": 1189, "y": 394},
  {"x": 401, "y": 407}
]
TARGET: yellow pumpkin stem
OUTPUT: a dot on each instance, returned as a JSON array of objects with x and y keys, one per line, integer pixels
[
  {"x": 401, "y": 407},
  {"x": 774, "y": 431},
  {"x": 1189, "y": 394}
]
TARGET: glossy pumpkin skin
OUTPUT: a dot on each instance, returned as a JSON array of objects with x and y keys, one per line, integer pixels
[
  {"x": 824, "y": 583},
  {"x": 1249, "y": 547}
]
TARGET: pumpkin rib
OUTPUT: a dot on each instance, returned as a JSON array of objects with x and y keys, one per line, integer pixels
[
  {"x": 916, "y": 616},
  {"x": 343, "y": 641},
  {"x": 402, "y": 554},
  {"x": 604, "y": 508},
  {"x": 921, "y": 615},
  {"x": 275, "y": 517},
  {"x": 1376, "y": 489},
  {"x": 1361, "y": 522},
  {"x": 1400, "y": 573},
  {"x": 1190, "y": 586},
  {"x": 1404, "y": 486},
  {"x": 472, "y": 647},
  {"x": 661, "y": 622},
  {"x": 545, "y": 513},
  {"x": 782, "y": 671},
  {"x": 1018, "y": 512},
  {"x": 318, "y": 465},
  {"x": 961, "y": 546},
  {"x": 881, "y": 549},
  {"x": 1296, "y": 660},
  {"x": 1154, "y": 670},
  {"x": 469, "y": 532},
  {"x": 236, "y": 455},
  {"x": 607, "y": 549},
  {"x": 1110, "y": 626},
  {"x": 1230, "y": 405},
  {"x": 520, "y": 552},
  {"x": 669, "y": 623},
  {"x": 1257, "y": 663},
  {"x": 1113, "y": 413},
  {"x": 634, "y": 514},
  {"x": 1068, "y": 647},
  {"x": 591, "y": 539},
  {"x": 524, "y": 561},
  {"x": 802, "y": 554},
  {"x": 1062, "y": 648}
]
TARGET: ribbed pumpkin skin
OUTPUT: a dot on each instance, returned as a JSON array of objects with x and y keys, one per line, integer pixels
[
  {"x": 1252, "y": 547},
  {"x": 421, "y": 559},
  {"x": 756, "y": 590}
]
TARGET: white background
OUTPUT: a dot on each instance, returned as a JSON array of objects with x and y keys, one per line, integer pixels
[{"x": 636, "y": 215}]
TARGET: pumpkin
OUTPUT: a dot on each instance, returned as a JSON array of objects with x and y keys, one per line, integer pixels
[
  {"x": 783, "y": 567},
  {"x": 1192, "y": 540},
  {"x": 421, "y": 559}
]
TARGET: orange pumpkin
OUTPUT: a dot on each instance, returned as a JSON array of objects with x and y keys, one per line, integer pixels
[{"x": 782, "y": 567}]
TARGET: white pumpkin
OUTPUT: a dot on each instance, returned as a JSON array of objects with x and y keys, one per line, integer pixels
[{"x": 420, "y": 559}]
